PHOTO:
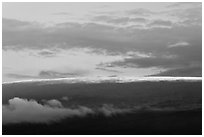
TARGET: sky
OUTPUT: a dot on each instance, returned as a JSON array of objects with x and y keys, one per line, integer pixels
[{"x": 62, "y": 40}]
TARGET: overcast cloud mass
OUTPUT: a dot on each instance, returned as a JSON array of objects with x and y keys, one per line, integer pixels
[{"x": 56, "y": 40}]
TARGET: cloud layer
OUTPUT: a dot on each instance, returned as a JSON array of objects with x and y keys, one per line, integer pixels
[
  {"x": 22, "y": 110},
  {"x": 169, "y": 35}
]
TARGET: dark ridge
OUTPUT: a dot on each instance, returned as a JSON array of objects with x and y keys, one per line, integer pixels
[{"x": 142, "y": 123}]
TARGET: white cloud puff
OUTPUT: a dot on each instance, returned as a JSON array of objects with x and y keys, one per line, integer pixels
[
  {"x": 54, "y": 103},
  {"x": 23, "y": 110}
]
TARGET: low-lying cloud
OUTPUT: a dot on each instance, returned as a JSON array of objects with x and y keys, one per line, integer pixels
[
  {"x": 23, "y": 110},
  {"x": 20, "y": 110},
  {"x": 109, "y": 110},
  {"x": 54, "y": 103}
]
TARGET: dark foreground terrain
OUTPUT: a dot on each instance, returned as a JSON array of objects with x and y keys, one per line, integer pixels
[
  {"x": 139, "y": 123},
  {"x": 165, "y": 108}
]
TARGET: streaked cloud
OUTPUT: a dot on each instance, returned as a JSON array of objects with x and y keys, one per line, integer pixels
[
  {"x": 193, "y": 71},
  {"x": 179, "y": 44},
  {"x": 161, "y": 23},
  {"x": 46, "y": 53},
  {"x": 53, "y": 74}
]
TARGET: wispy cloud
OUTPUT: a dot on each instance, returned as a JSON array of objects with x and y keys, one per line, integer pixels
[
  {"x": 161, "y": 23},
  {"x": 179, "y": 44}
]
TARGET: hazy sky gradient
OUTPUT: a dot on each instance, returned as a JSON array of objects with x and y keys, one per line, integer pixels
[{"x": 54, "y": 40}]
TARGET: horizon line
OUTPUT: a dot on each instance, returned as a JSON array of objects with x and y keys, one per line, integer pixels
[{"x": 100, "y": 79}]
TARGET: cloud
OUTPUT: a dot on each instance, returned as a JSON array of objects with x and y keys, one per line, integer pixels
[
  {"x": 138, "y": 30},
  {"x": 177, "y": 62},
  {"x": 182, "y": 72},
  {"x": 63, "y": 36},
  {"x": 92, "y": 33},
  {"x": 54, "y": 74},
  {"x": 140, "y": 12},
  {"x": 65, "y": 98},
  {"x": 109, "y": 110},
  {"x": 54, "y": 103},
  {"x": 111, "y": 19},
  {"x": 138, "y": 20},
  {"x": 98, "y": 36},
  {"x": 187, "y": 13},
  {"x": 119, "y": 20},
  {"x": 182, "y": 4},
  {"x": 47, "y": 53},
  {"x": 17, "y": 25},
  {"x": 109, "y": 70},
  {"x": 62, "y": 13},
  {"x": 46, "y": 74},
  {"x": 20, "y": 76},
  {"x": 161, "y": 23},
  {"x": 164, "y": 62},
  {"x": 23, "y": 110},
  {"x": 179, "y": 44},
  {"x": 20, "y": 110}
]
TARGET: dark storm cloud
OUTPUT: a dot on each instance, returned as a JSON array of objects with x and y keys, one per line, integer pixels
[{"x": 22, "y": 110}]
